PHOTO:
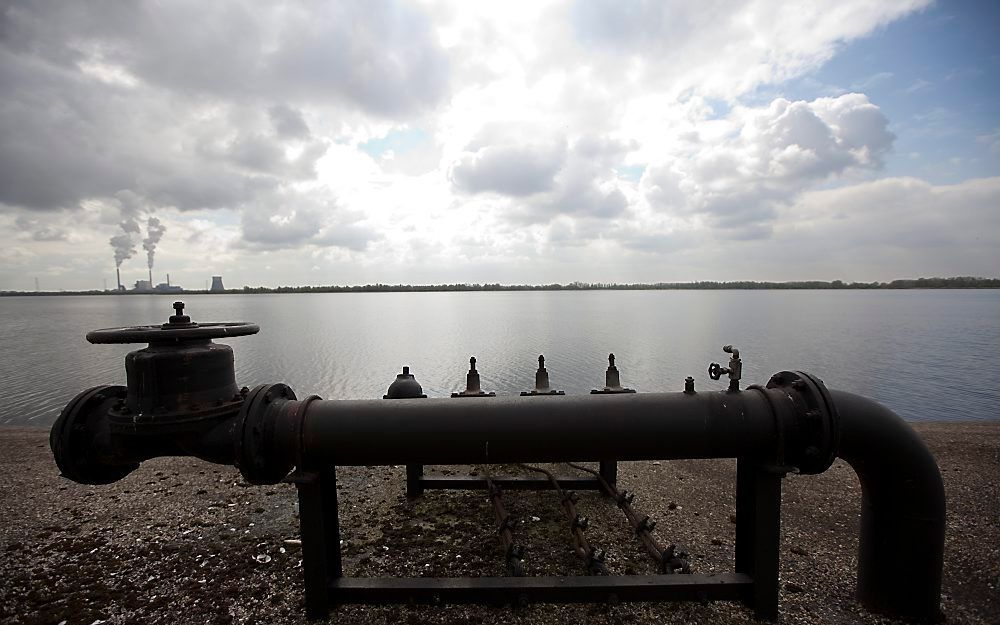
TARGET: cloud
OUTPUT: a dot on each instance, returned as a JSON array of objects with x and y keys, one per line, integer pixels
[
  {"x": 722, "y": 48},
  {"x": 876, "y": 79},
  {"x": 289, "y": 220},
  {"x": 379, "y": 56},
  {"x": 918, "y": 85},
  {"x": 174, "y": 102},
  {"x": 546, "y": 178},
  {"x": 35, "y": 230},
  {"x": 991, "y": 140},
  {"x": 895, "y": 227},
  {"x": 764, "y": 157},
  {"x": 512, "y": 170},
  {"x": 288, "y": 122}
]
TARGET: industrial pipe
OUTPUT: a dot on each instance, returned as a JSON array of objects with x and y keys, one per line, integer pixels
[
  {"x": 794, "y": 424},
  {"x": 901, "y": 547},
  {"x": 521, "y": 429}
]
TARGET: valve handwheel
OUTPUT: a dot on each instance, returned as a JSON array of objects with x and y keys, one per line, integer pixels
[
  {"x": 179, "y": 328},
  {"x": 714, "y": 370}
]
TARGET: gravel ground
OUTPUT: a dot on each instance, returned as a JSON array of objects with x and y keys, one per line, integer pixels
[{"x": 183, "y": 541}]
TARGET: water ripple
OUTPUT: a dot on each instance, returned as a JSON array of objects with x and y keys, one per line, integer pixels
[{"x": 908, "y": 349}]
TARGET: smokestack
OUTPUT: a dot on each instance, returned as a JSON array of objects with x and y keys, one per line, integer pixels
[
  {"x": 168, "y": 279},
  {"x": 151, "y": 277},
  {"x": 118, "y": 277}
]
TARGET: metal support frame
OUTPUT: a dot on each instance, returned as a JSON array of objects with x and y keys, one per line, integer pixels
[
  {"x": 417, "y": 482},
  {"x": 754, "y": 583},
  {"x": 758, "y": 533},
  {"x": 319, "y": 527}
]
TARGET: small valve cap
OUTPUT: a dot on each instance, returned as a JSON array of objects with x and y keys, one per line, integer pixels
[{"x": 405, "y": 386}]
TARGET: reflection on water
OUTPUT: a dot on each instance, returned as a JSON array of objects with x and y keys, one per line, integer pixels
[{"x": 911, "y": 350}]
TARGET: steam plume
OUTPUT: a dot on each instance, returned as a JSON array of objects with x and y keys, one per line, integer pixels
[
  {"x": 124, "y": 248},
  {"x": 154, "y": 232},
  {"x": 124, "y": 243}
]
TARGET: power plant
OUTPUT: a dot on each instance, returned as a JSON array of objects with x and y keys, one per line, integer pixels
[
  {"x": 124, "y": 245},
  {"x": 148, "y": 286}
]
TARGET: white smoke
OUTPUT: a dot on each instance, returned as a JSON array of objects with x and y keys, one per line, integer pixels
[
  {"x": 124, "y": 244},
  {"x": 154, "y": 232}
]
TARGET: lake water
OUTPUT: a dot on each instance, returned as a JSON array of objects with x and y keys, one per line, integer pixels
[{"x": 928, "y": 355}]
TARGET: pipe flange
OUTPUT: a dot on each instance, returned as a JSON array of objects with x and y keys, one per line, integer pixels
[
  {"x": 72, "y": 438},
  {"x": 255, "y": 457},
  {"x": 814, "y": 437}
]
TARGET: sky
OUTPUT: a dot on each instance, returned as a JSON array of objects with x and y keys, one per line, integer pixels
[{"x": 294, "y": 143}]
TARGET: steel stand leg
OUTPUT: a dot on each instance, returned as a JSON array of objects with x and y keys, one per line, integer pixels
[
  {"x": 414, "y": 477},
  {"x": 319, "y": 527},
  {"x": 758, "y": 533},
  {"x": 609, "y": 471}
]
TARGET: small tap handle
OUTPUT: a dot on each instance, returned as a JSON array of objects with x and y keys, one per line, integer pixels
[
  {"x": 715, "y": 371},
  {"x": 734, "y": 370}
]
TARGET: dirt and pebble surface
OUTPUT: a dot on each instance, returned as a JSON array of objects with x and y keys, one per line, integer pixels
[{"x": 183, "y": 541}]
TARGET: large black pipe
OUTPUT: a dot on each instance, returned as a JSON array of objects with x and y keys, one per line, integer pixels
[
  {"x": 522, "y": 429},
  {"x": 901, "y": 550}
]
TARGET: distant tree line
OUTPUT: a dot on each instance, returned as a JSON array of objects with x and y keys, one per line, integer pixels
[{"x": 961, "y": 282}]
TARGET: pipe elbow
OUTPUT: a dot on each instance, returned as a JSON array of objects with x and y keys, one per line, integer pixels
[{"x": 901, "y": 547}]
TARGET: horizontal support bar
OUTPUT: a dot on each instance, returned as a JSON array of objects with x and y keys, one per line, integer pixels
[
  {"x": 507, "y": 483},
  {"x": 438, "y": 590}
]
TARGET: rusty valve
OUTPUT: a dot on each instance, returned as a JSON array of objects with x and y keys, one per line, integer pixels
[
  {"x": 734, "y": 370},
  {"x": 181, "y": 384}
]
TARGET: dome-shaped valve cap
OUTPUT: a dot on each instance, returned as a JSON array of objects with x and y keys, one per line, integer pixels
[{"x": 405, "y": 386}]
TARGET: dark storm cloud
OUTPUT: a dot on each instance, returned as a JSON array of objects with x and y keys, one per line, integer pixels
[
  {"x": 108, "y": 97},
  {"x": 379, "y": 56}
]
